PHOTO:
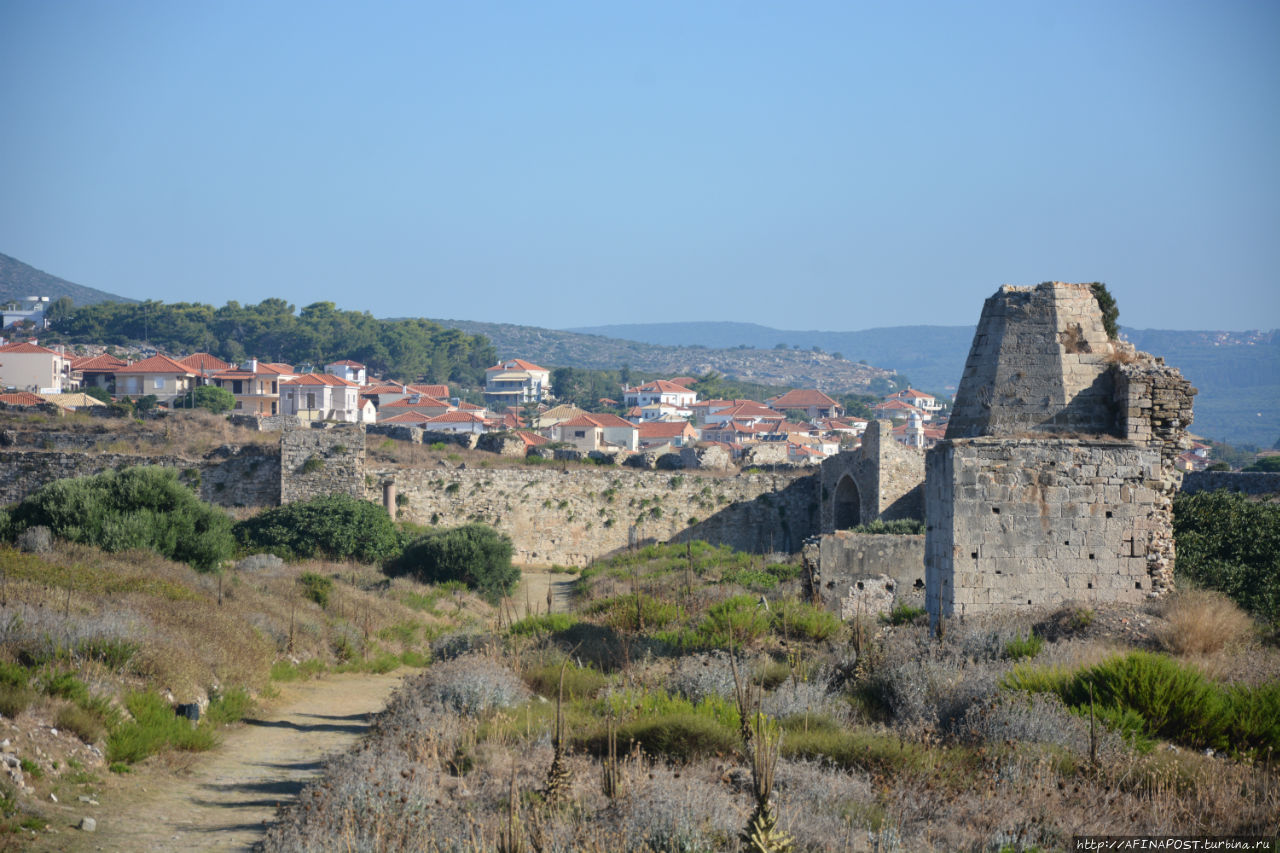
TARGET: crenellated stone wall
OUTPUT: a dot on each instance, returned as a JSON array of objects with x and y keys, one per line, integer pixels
[{"x": 571, "y": 516}]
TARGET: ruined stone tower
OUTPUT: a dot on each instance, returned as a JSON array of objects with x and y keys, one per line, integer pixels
[{"x": 1055, "y": 482}]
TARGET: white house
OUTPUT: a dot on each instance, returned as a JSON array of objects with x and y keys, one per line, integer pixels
[
  {"x": 325, "y": 397},
  {"x": 457, "y": 422},
  {"x": 595, "y": 431},
  {"x": 159, "y": 375},
  {"x": 516, "y": 382},
  {"x": 352, "y": 371},
  {"x": 660, "y": 392},
  {"x": 31, "y": 367}
]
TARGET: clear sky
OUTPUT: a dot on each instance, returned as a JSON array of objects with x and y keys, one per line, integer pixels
[{"x": 808, "y": 165}]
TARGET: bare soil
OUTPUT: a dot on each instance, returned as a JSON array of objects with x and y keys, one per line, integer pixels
[{"x": 224, "y": 800}]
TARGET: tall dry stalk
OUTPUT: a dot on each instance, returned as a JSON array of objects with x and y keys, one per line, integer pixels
[{"x": 558, "y": 777}]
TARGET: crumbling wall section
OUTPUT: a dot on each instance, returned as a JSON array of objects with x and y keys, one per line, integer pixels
[
  {"x": 322, "y": 461},
  {"x": 842, "y": 568},
  {"x": 888, "y": 478}
]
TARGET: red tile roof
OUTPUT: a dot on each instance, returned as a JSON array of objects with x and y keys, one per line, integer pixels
[
  {"x": 418, "y": 401},
  {"x": 100, "y": 363},
  {"x": 440, "y": 392},
  {"x": 803, "y": 398},
  {"x": 662, "y": 429},
  {"x": 532, "y": 439},
  {"x": 387, "y": 388},
  {"x": 516, "y": 364},
  {"x": 204, "y": 361},
  {"x": 456, "y": 418},
  {"x": 22, "y": 398},
  {"x": 662, "y": 386},
  {"x": 28, "y": 348},
  {"x": 406, "y": 418},
  {"x": 320, "y": 379},
  {"x": 346, "y": 363},
  {"x": 157, "y": 364}
]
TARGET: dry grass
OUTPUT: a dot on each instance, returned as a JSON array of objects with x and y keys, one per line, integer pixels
[{"x": 1203, "y": 622}]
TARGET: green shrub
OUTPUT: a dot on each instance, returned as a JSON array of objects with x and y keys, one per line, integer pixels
[
  {"x": 316, "y": 587},
  {"x": 904, "y": 614},
  {"x": 86, "y": 725},
  {"x": 154, "y": 727},
  {"x": 1024, "y": 647},
  {"x": 1150, "y": 695},
  {"x": 798, "y": 619},
  {"x": 635, "y": 612},
  {"x": 475, "y": 554},
  {"x": 67, "y": 686},
  {"x": 113, "y": 652},
  {"x": 680, "y": 737},
  {"x": 133, "y": 508},
  {"x": 337, "y": 527},
  {"x": 14, "y": 674},
  {"x": 736, "y": 621},
  {"x": 1232, "y": 544},
  {"x": 15, "y": 698},
  {"x": 580, "y": 682},
  {"x": 229, "y": 706}
]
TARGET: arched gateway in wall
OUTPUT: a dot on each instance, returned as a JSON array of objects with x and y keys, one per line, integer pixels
[{"x": 847, "y": 505}]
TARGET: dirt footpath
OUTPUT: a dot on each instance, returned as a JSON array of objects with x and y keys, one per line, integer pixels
[
  {"x": 227, "y": 797},
  {"x": 531, "y": 597}
]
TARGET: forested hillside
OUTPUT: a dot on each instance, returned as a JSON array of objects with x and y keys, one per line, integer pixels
[{"x": 408, "y": 349}]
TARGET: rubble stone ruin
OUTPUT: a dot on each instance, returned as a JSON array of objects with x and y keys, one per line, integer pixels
[{"x": 1055, "y": 481}]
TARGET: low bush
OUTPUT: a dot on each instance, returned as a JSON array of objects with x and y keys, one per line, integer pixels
[
  {"x": 680, "y": 736},
  {"x": 154, "y": 727},
  {"x": 229, "y": 706},
  {"x": 635, "y": 612},
  {"x": 904, "y": 614},
  {"x": 898, "y": 527},
  {"x": 338, "y": 527},
  {"x": 1202, "y": 621},
  {"x": 736, "y": 621},
  {"x": 471, "y": 684},
  {"x": 140, "y": 507},
  {"x": 799, "y": 619},
  {"x": 316, "y": 587},
  {"x": 15, "y": 698},
  {"x": 475, "y": 554},
  {"x": 86, "y": 725},
  {"x": 1024, "y": 647},
  {"x": 580, "y": 682},
  {"x": 1149, "y": 695}
]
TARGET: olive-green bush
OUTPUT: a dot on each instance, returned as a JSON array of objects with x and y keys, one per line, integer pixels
[
  {"x": 143, "y": 507},
  {"x": 338, "y": 527}
]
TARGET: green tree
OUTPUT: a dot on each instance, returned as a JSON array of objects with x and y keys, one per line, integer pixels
[
  {"x": 211, "y": 397},
  {"x": 1232, "y": 544},
  {"x": 1266, "y": 464},
  {"x": 475, "y": 554}
]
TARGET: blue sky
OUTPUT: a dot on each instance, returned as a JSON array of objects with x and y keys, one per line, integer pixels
[{"x": 810, "y": 165}]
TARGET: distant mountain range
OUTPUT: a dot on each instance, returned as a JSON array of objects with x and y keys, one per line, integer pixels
[{"x": 19, "y": 280}]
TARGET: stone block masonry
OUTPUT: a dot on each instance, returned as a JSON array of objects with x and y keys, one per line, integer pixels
[
  {"x": 322, "y": 461},
  {"x": 572, "y": 516},
  {"x": 842, "y": 568},
  {"x": 1056, "y": 480},
  {"x": 1023, "y": 522}
]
